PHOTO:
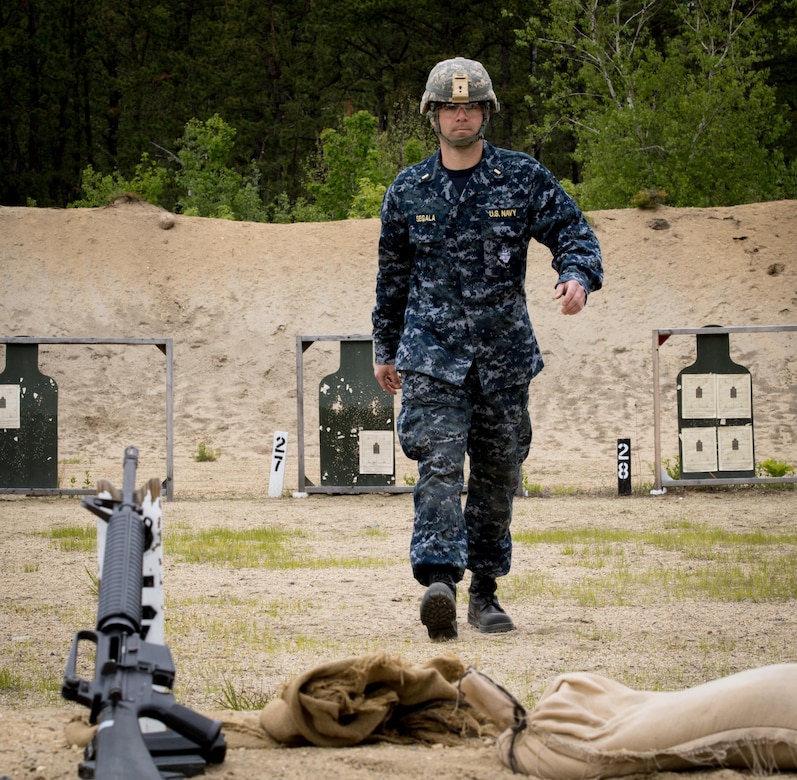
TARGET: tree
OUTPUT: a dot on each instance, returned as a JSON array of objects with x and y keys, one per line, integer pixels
[
  {"x": 690, "y": 113},
  {"x": 356, "y": 163},
  {"x": 101, "y": 82},
  {"x": 208, "y": 186},
  {"x": 149, "y": 183}
]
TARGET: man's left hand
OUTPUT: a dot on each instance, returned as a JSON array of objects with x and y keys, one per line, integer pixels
[{"x": 573, "y": 296}]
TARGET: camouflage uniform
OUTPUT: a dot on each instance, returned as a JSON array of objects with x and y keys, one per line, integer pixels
[{"x": 451, "y": 313}]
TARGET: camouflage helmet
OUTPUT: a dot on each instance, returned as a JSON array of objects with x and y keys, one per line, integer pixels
[{"x": 459, "y": 80}]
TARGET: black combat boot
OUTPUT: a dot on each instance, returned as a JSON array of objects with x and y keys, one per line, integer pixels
[
  {"x": 439, "y": 608},
  {"x": 484, "y": 611}
]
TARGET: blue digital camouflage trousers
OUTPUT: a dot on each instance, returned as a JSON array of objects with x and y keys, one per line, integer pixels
[{"x": 438, "y": 425}]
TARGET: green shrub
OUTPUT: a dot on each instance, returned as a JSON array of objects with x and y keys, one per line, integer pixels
[
  {"x": 148, "y": 183},
  {"x": 775, "y": 468},
  {"x": 205, "y": 454}
]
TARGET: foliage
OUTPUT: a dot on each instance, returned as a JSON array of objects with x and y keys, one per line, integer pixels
[
  {"x": 282, "y": 211},
  {"x": 707, "y": 563},
  {"x": 775, "y": 468},
  {"x": 72, "y": 538},
  {"x": 697, "y": 98},
  {"x": 208, "y": 186},
  {"x": 241, "y": 699},
  {"x": 148, "y": 183},
  {"x": 531, "y": 488},
  {"x": 345, "y": 161},
  {"x": 265, "y": 547},
  {"x": 94, "y": 581},
  {"x": 367, "y": 200},
  {"x": 99, "y": 82},
  {"x": 672, "y": 467},
  {"x": 10, "y": 679},
  {"x": 691, "y": 113},
  {"x": 648, "y": 199},
  {"x": 204, "y": 184},
  {"x": 356, "y": 165},
  {"x": 205, "y": 454}
]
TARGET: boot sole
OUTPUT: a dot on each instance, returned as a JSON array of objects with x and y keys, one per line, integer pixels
[{"x": 439, "y": 612}]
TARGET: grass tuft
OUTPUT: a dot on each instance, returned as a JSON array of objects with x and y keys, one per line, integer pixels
[
  {"x": 72, "y": 538},
  {"x": 702, "y": 562},
  {"x": 240, "y": 699},
  {"x": 268, "y": 547}
]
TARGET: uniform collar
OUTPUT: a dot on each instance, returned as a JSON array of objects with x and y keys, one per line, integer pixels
[{"x": 488, "y": 172}]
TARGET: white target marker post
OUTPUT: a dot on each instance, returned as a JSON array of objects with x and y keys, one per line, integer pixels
[{"x": 279, "y": 454}]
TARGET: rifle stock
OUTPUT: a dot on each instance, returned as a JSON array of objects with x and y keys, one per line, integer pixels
[{"x": 133, "y": 678}]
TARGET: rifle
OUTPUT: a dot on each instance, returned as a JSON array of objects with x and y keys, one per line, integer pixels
[{"x": 133, "y": 678}]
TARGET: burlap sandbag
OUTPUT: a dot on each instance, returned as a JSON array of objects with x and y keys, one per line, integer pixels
[
  {"x": 372, "y": 697},
  {"x": 342, "y": 703},
  {"x": 587, "y": 726}
]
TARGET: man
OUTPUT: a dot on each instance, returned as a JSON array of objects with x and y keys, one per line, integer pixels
[{"x": 452, "y": 331}]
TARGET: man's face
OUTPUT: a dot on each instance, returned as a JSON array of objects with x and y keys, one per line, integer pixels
[{"x": 460, "y": 120}]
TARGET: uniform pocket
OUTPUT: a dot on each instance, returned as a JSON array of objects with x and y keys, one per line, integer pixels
[
  {"x": 425, "y": 229},
  {"x": 504, "y": 245}
]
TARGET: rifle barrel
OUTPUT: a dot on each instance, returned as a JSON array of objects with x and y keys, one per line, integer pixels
[{"x": 120, "y": 587}]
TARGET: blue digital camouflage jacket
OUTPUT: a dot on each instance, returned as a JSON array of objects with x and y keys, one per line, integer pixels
[{"x": 452, "y": 267}]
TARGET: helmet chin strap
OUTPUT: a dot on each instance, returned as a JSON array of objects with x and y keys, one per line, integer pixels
[{"x": 460, "y": 142}]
